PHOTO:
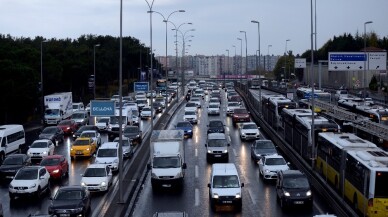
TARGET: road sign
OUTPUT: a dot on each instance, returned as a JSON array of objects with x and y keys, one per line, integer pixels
[
  {"x": 140, "y": 86},
  {"x": 377, "y": 61},
  {"x": 300, "y": 63},
  {"x": 341, "y": 61},
  {"x": 102, "y": 108},
  {"x": 308, "y": 96}
]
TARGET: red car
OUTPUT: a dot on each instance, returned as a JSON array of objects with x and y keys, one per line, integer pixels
[
  {"x": 240, "y": 115},
  {"x": 68, "y": 126},
  {"x": 56, "y": 165}
]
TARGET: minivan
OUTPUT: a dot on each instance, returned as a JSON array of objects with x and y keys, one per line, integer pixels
[
  {"x": 217, "y": 147},
  {"x": 108, "y": 153},
  {"x": 12, "y": 138},
  {"x": 225, "y": 186}
]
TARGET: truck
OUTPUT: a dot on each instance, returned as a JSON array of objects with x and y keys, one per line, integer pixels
[
  {"x": 167, "y": 160},
  {"x": 114, "y": 127},
  {"x": 58, "y": 107}
]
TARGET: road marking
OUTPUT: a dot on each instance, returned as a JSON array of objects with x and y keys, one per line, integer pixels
[
  {"x": 318, "y": 208},
  {"x": 196, "y": 152},
  {"x": 234, "y": 152},
  {"x": 196, "y": 171},
  {"x": 251, "y": 196},
  {"x": 196, "y": 197}
]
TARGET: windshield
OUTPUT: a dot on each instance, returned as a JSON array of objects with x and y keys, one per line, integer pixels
[
  {"x": 240, "y": 111},
  {"x": 217, "y": 142},
  {"x": 63, "y": 123},
  {"x": 39, "y": 145},
  {"x": 68, "y": 195},
  {"x": 191, "y": 105},
  {"x": 125, "y": 141},
  {"x": 115, "y": 120},
  {"x": 13, "y": 161},
  {"x": 88, "y": 135},
  {"x": 216, "y": 124},
  {"x": 381, "y": 190},
  {"x": 27, "y": 174},
  {"x": 213, "y": 106},
  {"x": 141, "y": 101},
  {"x": 53, "y": 112},
  {"x": 80, "y": 142},
  {"x": 264, "y": 145},
  {"x": 95, "y": 172},
  {"x": 77, "y": 116},
  {"x": 146, "y": 109},
  {"x": 190, "y": 113},
  {"x": 49, "y": 130},
  {"x": 235, "y": 104},
  {"x": 183, "y": 124},
  {"x": 50, "y": 162},
  {"x": 135, "y": 112},
  {"x": 103, "y": 120},
  {"x": 107, "y": 152},
  {"x": 131, "y": 130},
  {"x": 249, "y": 126},
  {"x": 296, "y": 182},
  {"x": 166, "y": 162},
  {"x": 275, "y": 161},
  {"x": 225, "y": 182}
]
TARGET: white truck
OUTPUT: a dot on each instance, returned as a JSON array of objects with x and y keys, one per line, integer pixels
[
  {"x": 58, "y": 107},
  {"x": 167, "y": 158}
]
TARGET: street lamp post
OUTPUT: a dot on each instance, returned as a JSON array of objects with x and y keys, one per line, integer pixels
[
  {"x": 241, "y": 60},
  {"x": 258, "y": 45},
  {"x": 184, "y": 37},
  {"x": 94, "y": 69},
  {"x": 234, "y": 60},
  {"x": 246, "y": 52},
  {"x": 285, "y": 60},
  {"x": 41, "y": 79},
  {"x": 268, "y": 57},
  {"x": 365, "y": 59},
  {"x": 151, "y": 70},
  {"x": 227, "y": 63}
]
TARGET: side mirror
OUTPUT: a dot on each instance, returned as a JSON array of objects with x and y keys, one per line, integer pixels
[
  {"x": 94, "y": 155},
  {"x": 184, "y": 166},
  {"x": 242, "y": 184},
  {"x": 208, "y": 185},
  {"x": 149, "y": 166},
  {"x": 288, "y": 163}
]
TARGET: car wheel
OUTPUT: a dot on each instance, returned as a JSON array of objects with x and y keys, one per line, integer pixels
[{"x": 2, "y": 156}]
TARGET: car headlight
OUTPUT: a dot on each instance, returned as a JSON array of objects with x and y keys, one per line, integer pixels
[
  {"x": 87, "y": 149},
  {"x": 238, "y": 195},
  {"x": 67, "y": 128},
  {"x": 116, "y": 161},
  {"x": 266, "y": 170},
  {"x": 96, "y": 162},
  {"x": 215, "y": 196},
  {"x": 45, "y": 152},
  {"x": 79, "y": 209},
  {"x": 225, "y": 151},
  {"x": 56, "y": 171},
  {"x": 308, "y": 193},
  {"x": 189, "y": 131},
  {"x": 103, "y": 183},
  {"x": 242, "y": 133},
  {"x": 286, "y": 193},
  {"x": 32, "y": 186},
  {"x": 71, "y": 149},
  {"x": 83, "y": 184},
  {"x": 153, "y": 175},
  {"x": 29, "y": 153},
  {"x": 10, "y": 186},
  {"x": 209, "y": 151}
]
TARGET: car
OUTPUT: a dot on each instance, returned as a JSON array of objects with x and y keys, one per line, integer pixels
[
  {"x": 108, "y": 154},
  {"x": 97, "y": 177},
  {"x": 215, "y": 126},
  {"x": 40, "y": 148},
  {"x": 261, "y": 148},
  {"x": 141, "y": 103},
  {"x": 87, "y": 108},
  {"x": 199, "y": 93},
  {"x": 83, "y": 128},
  {"x": 102, "y": 123},
  {"x": 84, "y": 147},
  {"x": 249, "y": 131},
  {"x": 197, "y": 101},
  {"x": 140, "y": 95},
  {"x": 56, "y": 165},
  {"x": 240, "y": 115},
  {"x": 133, "y": 133},
  {"x": 80, "y": 117},
  {"x": 217, "y": 147},
  {"x": 231, "y": 106},
  {"x": 135, "y": 117},
  {"x": 11, "y": 165},
  {"x": 78, "y": 106},
  {"x": 161, "y": 101},
  {"x": 269, "y": 166},
  {"x": 339, "y": 94},
  {"x": 215, "y": 100},
  {"x": 213, "y": 109},
  {"x": 29, "y": 181},
  {"x": 191, "y": 106},
  {"x": 146, "y": 112},
  {"x": 158, "y": 107},
  {"x": 293, "y": 189},
  {"x": 93, "y": 134},
  {"x": 53, "y": 133},
  {"x": 186, "y": 126},
  {"x": 70, "y": 201},
  {"x": 191, "y": 116},
  {"x": 171, "y": 92},
  {"x": 235, "y": 98},
  {"x": 126, "y": 146},
  {"x": 68, "y": 126},
  {"x": 151, "y": 93},
  {"x": 128, "y": 98},
  {"x": 115, "y": 98}
]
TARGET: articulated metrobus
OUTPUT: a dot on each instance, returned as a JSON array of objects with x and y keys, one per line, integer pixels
[
  {"x": 357, "y": 169},
  {"x": 275, "y": 107}
]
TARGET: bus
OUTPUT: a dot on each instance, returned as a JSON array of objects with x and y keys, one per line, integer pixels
[
  {"x": 275, "y": 107},
  {"x": 299, "y": 129},
  {"x": 265, "y": 104},
  {"x": 357, "y": 169},
  {"x": 305, "y": 93},
  {"x": 255, "y": 83},
  {"x": 161, "y": 84},
  {"x": 367, "y": 109}
]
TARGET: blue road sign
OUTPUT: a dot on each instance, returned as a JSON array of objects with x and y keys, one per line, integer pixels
[
  {"x": 103, "y": 108},
  {"x": 308, "y": 96},
  {"x": 347, "y": 57},
  {"x": 140, "y": 86}
]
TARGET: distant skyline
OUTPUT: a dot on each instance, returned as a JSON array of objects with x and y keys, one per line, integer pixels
[{"x": 217, "y": 23}]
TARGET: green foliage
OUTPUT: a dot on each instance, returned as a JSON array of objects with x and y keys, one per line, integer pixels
[{"x": 373, "y": 84}]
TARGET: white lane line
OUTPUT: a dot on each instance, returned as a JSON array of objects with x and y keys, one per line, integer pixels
[
  {"x": 196, "y": 171},
  {"x": 318, "y": 208},
  {"x": 234, "y": 152},
  {"x": 196, "y": 152},
  {"x": 196, "y": 197},
  {"x": 251, "y": 196}
]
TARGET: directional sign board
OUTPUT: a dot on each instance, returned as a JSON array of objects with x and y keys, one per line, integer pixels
[
  {"x": 377, "y": 60},
  {"x": 104, "y": 108},
  {"x": 340, "y": 61},
  {"x": 300, "y": 63},
  {"x": 140, "y": 86}
]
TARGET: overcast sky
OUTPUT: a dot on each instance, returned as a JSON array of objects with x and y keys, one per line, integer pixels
[{"x": 217, "y": 23}]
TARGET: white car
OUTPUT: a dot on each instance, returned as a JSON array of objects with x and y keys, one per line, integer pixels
[
  {"x": 231, "y": 106},
  {"x": 140, "y": 95},
  {"x": 269, "y": 166},
  {"x": 191, "y": 106},
  {"x": 97, "y": 177},
  {"x": 146, "y": 112},
  {"x": 197, "y": 101},
  {"x": 108, "y": 154},
  {"x": 103, "y": 123},
  {"x": 190, "y": 116},
  {"x": 249, "y": 131},
  {"x": 29, "y": 181},
  {"x": 151, "y": 93},
  {"x": 93, "y": 135},
  {"x": 41, "y": 148},
  {"x": 213, "y": 109},
  {"x": 173, "y": 85}
]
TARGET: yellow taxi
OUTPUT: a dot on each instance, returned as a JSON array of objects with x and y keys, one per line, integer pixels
[{"x": 84, "y": 147}]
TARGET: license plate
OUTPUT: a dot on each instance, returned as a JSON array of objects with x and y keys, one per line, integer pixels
[
  {"x": 217, "y": 155},
  {"x": 9, "y": 177},
  {"x": 166, "y": 185},
  {"x": 241, "y": 119},
  {"x": 36, "y": 154},
  {"x": 64, "y": 215},
  {"x": 79, "y": 152},
  {"x": 299, "y": 202},
  {"x": 227, "y": 201}
]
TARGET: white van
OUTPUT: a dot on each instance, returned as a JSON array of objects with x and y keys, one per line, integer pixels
[
  {"x": 78, "y": 106},
  {"x": 12, "y": 138},
  {"x": 225, "y": 186},
  {"x": 108, "y": 153}
]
